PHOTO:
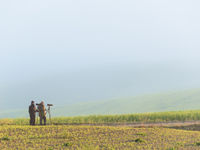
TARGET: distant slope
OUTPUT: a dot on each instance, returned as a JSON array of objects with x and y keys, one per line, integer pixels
[
  {"x": 170, "y": 101},
  {"x": 98, "y": 83}
]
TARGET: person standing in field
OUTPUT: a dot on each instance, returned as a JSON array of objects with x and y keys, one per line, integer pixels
[
  {"x": 42, "y": 113},
  {"x": 32, "y": 112}
]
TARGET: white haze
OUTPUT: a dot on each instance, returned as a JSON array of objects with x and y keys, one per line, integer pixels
[{"x": 67, "y": 51}]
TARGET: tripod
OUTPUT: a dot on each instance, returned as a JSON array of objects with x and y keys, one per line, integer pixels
[
  {"x": 37, "y": 117},
  {"x": 49, "y": 112}
]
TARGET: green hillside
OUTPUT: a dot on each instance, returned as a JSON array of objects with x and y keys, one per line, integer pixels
[{"x": 170, "y": 101}]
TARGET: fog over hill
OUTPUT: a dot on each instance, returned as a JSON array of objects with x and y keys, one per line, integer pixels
[
  {"x": 99, "y": 84},
  {"x": 68, "y": 52},
  {"x": 158, "y": 102}
]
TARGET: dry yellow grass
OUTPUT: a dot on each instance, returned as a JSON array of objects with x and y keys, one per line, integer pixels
[{"x": 94, "y": 137}]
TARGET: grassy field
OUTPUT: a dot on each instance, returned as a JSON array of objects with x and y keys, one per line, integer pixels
[
  {"x": 70, "y": 133},
  {"x": 174, "y": 116},
  {"x": 96, "y": 138}
]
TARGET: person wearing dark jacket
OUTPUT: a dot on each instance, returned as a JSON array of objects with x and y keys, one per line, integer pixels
[{"x": 32, "y": 112}]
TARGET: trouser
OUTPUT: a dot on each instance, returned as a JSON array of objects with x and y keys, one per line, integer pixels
[
  {"x": 32, "y": 119},
  {"x": 43, "y": 118}
]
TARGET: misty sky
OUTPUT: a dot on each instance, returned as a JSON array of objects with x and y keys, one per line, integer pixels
[{"x": 43, "y": 37}]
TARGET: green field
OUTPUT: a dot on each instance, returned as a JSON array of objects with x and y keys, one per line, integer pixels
[
  {"x": 174, "y": 116},
  {"x": 109, "y": 132},
  {"x": 87, "y": 133}
]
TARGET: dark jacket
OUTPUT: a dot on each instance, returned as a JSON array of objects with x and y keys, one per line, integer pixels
[{"x": 32, "y": 109}]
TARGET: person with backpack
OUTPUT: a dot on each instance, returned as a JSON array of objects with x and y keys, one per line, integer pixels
[{"x": 42, "y": 113}]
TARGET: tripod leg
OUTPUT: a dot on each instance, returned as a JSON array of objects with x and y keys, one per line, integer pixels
[
  {"x": 37, "y": 116},
  {"x": 49, "y": 112},
  {"x": 50, "y": 116}
]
